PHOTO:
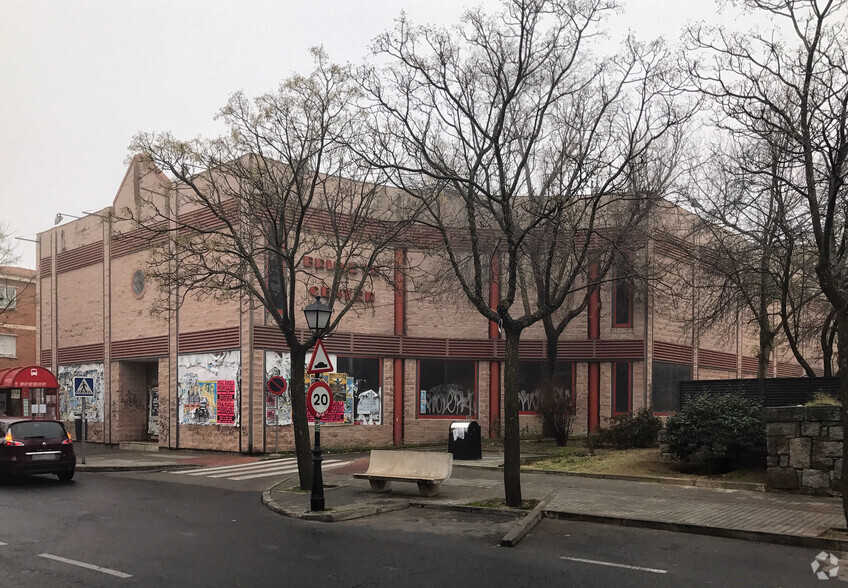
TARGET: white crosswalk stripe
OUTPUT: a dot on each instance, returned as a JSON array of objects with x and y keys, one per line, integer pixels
[{"x": 257, "y": 469}]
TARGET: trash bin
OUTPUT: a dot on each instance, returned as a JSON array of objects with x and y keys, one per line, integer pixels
[
  {"x": 77, "y": 426},
  {"x": 464, "y": 440}
]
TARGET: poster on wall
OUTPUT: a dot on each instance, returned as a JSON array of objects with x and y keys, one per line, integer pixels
[
  {"x": 357, "y": 394},
  {"x": 208, "y": 388},
  {"x": 70, "y": 404}
]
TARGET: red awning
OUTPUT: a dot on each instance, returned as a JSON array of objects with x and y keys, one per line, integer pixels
[{"x": 32, "y": 376}]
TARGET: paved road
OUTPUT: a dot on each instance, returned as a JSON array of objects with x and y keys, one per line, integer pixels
[{"x": 111, "y": 529}]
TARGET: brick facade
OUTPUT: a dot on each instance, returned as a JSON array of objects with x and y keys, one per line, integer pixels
[
  {"x": 93, "y": 314},
  {"x": 18, "y": 320}
]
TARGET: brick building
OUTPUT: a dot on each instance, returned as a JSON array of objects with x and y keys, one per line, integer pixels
[
  {"x": 405, "y": 366},
  {"x": 17, "y": 317}
]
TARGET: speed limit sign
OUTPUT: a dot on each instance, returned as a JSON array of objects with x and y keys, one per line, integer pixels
[{"x": 319, "y": 398}]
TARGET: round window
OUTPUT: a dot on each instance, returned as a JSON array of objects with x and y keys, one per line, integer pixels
[{"x": 138, "y": 283}]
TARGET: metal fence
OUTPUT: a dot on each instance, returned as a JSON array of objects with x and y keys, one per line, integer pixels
[{"x": 767, "y": 392}]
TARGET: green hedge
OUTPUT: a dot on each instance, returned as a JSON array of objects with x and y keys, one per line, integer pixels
[{"x": 716, "y": 428}]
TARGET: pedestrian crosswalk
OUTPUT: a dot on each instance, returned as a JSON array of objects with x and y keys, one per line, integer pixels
[{"x": 257, "y": 469}]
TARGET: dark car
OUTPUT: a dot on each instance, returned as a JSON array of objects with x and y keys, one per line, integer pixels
[{"x": 30, "y": 446}]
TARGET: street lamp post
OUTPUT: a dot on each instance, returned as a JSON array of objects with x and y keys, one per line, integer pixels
[{"x": 317, "y": 318}]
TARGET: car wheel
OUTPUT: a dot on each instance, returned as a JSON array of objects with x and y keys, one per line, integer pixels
[{"x": 66, "y": 476}]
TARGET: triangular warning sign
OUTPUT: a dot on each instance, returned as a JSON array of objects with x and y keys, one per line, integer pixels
[
  {"x": 320, "y": 362},
  {"x": 83, "y": 389}
]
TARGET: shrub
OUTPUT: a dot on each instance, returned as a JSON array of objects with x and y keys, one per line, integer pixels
[
  {"x": 822, "y": 399},
  {"x": 556, "y": 412},
  {"x": 715, "y": 429},
  {"x": 626, "y": 431}
]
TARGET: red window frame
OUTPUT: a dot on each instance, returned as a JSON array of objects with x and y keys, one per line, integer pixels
[
  {"x": 616, "y": 284},
  {"x": 453, "y": 417},
  {"x": 614, "y": 378}
]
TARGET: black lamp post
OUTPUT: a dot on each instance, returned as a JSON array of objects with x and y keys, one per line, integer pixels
[{"x": 317, "y": 317}]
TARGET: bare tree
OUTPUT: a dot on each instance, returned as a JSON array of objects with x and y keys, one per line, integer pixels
[
  {"x": 245, "y": 209},
  {"x": 7, "y": 258},
  {"x": 798, "y": 90},
  {"x": 524, "y": 151}
]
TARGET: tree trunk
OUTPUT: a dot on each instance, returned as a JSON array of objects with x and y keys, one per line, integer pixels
[
  {"x": 512, "y": 447},
  {"x": 302, "y": 444},
  {"x": 766, "y": 345},
  {"x": 842, "y": 363}
]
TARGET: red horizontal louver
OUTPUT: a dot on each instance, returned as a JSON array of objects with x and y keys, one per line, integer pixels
[
  {"x": 86, "y": 255},
  {"x": 143, "y": 347},
  {"x": 672, "y": 353},
  {"x": 415, "y": 347},
  {"x": 136, "y": 240},
  {"x": 471, "y": 348},
  {"x": 532, "y": 349},
  {"x": 45, "y": 265},
  {"x": 575, "y": 350},
  {"x": 633, "y": 349},
  {"x": 81, "y": 354},
  {"x": 269, "y": 338},
  {"x": 383, "y": 346},
  {"x": 788, "y": 370},
  {"x": 749, "y": 365},
  {"x": 46, "y": 356},
  {"x": 339, "y": 343},
  {"x": 211, "y": 340},
  {"x": 716, "y": 359}
]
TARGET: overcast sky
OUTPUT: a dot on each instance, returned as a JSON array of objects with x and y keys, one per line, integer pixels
[{"x": 79, "y": 79}]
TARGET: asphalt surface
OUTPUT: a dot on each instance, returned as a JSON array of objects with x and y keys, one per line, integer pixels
[{"x": 132, "y": 529}]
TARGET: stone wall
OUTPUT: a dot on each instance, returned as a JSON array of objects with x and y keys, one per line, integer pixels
[{"x": 804, "y": 448}]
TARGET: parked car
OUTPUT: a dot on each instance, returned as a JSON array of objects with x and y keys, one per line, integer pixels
[{"x": 29, "y": 446}]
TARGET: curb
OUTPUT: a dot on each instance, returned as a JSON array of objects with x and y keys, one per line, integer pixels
[
  {"x": 524, "y": 526},
  {"x": 139, "y": 468},
  {"x": 714, "y": 484},
  {"x": 331, "y": 516},
  {"x": 758, "y": 536}
]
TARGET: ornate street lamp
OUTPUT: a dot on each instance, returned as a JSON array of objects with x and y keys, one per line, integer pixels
[{"x": 317, "y": 317}]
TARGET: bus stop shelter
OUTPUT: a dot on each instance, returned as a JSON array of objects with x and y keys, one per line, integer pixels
[{"x": 29, "y": 391}]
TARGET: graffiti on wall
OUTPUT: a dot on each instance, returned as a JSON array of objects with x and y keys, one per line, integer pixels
[
  {"x": 208, "y": 388},
  {"x": 529, "y": 401},
  {"x": 70, "y": 404},
  {"x": 448, "y": 399}
]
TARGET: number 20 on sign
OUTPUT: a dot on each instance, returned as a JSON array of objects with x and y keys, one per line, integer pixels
[{"x": 319, "y": 398}]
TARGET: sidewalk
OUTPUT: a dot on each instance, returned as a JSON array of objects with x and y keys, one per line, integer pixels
[
  {"x": 742, "y": 514},
  {"x": 788, "y": 519}
]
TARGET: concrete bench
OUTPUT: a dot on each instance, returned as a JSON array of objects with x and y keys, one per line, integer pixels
[{"x": 425, "y": 468}]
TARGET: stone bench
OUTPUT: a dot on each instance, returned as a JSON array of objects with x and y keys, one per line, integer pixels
[{"x": 425, "y": 468}]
